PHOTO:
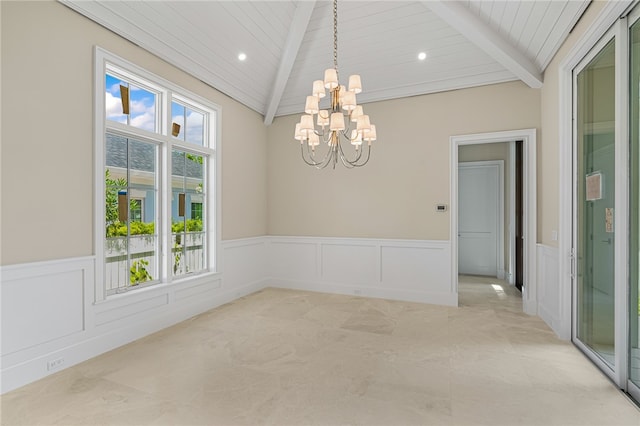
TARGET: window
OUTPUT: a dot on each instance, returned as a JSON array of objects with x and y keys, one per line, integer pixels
[
  {"x": 157, "y": 160},
  {"x": 136, "y": 210},
  {"x": 196, "y": 210}
]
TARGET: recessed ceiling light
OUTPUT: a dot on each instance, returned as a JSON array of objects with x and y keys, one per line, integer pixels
[
  {"x": 422, "y": 56},
  {"x": 242, "y": 56}
]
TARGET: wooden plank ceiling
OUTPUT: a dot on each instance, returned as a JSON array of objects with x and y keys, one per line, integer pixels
[{"x": 289, "y": 43}]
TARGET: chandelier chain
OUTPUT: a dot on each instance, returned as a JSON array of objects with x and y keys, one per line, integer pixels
[{"x": 335, "y": 34}]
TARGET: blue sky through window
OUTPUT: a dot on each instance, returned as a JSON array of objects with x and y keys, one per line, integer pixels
[
  {"x": 194, "y": 126},
  {"x": 142, "y": 104}
]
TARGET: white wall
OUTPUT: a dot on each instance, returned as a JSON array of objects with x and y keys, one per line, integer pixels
[
  {"x": 48, "y": 314},
  {"x": 552, "y": 305},
  {"x": 412, "y": 270}
]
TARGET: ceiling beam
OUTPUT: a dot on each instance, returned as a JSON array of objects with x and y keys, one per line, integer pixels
[
  {"x": 298, "y": 28},
  {"x": 486, "y": 38}
]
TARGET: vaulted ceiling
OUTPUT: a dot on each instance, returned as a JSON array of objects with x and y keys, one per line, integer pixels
[{"x": 288, "y": 44}]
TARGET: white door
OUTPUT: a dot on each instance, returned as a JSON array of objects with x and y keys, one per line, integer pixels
[{"x": 478, "y": 217}]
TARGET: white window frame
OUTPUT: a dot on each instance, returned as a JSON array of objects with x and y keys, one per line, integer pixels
[{"x": 167, "y": 91}]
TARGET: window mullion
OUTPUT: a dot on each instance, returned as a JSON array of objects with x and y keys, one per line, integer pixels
[{"x": 165, "y": 213}]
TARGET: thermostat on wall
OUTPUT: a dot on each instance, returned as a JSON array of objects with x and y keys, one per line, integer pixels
[{"x": 441, "y": 208}]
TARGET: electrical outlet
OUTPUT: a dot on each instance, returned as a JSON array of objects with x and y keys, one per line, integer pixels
[{"x": 54, "y": 364}]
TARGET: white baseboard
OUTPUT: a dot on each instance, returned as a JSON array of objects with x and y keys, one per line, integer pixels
[{"x": 445, "y": 299}]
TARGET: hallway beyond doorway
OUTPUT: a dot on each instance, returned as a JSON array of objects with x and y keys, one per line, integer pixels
[{"x": 488, "y": 292}]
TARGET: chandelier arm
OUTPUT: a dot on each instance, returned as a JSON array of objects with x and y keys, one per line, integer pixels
[
  {"x": 313, "y": 162},
  {"x": 354, "y": 161},
  {"x": 345, "y": 162},
  {"x": 312, "y": 159},
  {"x": 367, "y": 159}
]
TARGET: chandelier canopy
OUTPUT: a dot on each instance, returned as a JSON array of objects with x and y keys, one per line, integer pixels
[{"x": 343, "y": 123}]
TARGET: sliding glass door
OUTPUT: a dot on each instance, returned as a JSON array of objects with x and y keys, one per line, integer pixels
[
  {"x": 595, "y": 200},
  {"x": 606, "y": 203}
]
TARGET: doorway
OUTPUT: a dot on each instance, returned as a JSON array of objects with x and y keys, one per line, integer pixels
[
  {"x": 528, "y": 223},
  {"x": 481, "y": 218}
]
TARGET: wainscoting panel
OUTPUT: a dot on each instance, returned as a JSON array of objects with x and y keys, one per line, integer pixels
[
  {"x": 412, "y": 270},
  {"x": 129, "y": 312},
  {"x": 353, "y": 264},
  {"x": 50, "y": 321},
  {"x": 27, "y": 307},
  {"x": 243, "y": 262},
  {"x": 550, "y": 303},
  {"x": 200, "y": 291},
  {"x": 293, "y": 259}
]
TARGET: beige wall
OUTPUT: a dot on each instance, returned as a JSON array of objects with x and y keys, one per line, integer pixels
[
  {"x": 395, "y": 195},
  {"x": 494, "y": 151},
  {"x": 549, "y": 149},
  {"x": 47, "y": 147},
  {"x": 47, "y": 143}
]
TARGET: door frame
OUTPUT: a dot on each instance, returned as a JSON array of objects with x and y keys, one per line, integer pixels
[
  {"x": 528, "y": 138},
  {"x": 499, "y": 164},
  {"x": 609, "y": 17}
]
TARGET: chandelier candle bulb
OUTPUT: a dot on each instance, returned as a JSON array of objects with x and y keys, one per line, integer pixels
[
  {"x": 311, "y": 106},
  {"x": 363, "y": 124},
  {"x": 337, "y": 121},
  {"x": 356, "y": 138},
  {"x": 357, "y": 112},
  {"x": 298, "y": 134},
  {"x": 314, "y": 140},
  {"x": 355, "y": 85},
  {"x": 306, "y": 123},
  {"x": 371, "y": 134},
  {"x": 323, "y": 118},
  {"x": 343, "y": 90},
  {"x": 349, "y": 101},
  {"x": 318, "y": 89},
  {"x": 331, "y": 78}
]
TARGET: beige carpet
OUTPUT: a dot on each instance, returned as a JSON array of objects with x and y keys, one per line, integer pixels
[{"x": 281, "y": 357}]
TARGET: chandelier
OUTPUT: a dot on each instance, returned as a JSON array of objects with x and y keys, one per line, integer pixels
[{"x": 343, "y": 123}]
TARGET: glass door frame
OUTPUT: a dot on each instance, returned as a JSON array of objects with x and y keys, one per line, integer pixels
[
  {"x": 632, "y": 18},
  {"x": 620, "y": 33}
]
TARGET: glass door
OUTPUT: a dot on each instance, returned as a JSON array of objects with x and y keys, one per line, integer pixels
[
  {"x": 594, "y": 84},
  {"x": 634, "y": 214}
]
